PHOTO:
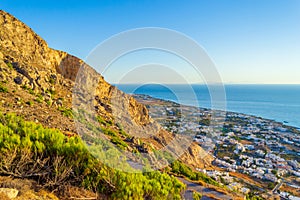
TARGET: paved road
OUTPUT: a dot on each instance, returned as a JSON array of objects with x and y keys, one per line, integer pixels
[
  {"x": 203, "y": 190},
  {"x": 278, "y": 186}
]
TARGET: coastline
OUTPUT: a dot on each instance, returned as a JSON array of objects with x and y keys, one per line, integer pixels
[
  {"x": 137, "y": 96},
  {"x": 270, "y": 101}
]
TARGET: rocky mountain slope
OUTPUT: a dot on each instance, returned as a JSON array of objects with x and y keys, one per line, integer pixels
[
  {"x": 37, "y": 83},
  {"x": 34, "y": 72}
]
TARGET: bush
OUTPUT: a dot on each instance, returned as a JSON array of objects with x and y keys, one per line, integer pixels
[
  {"x": 3, "y": 89},
  {"x": 197, "y": 195},
  {"x": 50, "y": 91},
  {"x": 181, "y": 169},
  {"x": 24, "y": 87},
  {"x": 122, "y": 132},
  {"x": 30, "y": 103},
  {"x": 68, "y": 112},
  {"x": 48, "y": 102},
  {"x": 38, "y": 100},
  {"x": 9, "y": 65},
  {"x": 31, "y": 91},
  {"x": 271, "y": 185},
  {"x": 52, "y": 81},
  {"x": 120, "y": 143},
  {"x": 252, "y": 196},
  {"x": 101, "y": 121}
]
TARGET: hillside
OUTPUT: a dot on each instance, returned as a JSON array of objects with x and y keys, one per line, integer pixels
[
  {"x": 37, "y": 83},
  {"x": 29, "y": 66}
]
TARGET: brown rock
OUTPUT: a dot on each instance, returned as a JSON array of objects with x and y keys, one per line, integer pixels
[
  {"x": 10, "y": 193},
  {"x": 18, "y": 80}
]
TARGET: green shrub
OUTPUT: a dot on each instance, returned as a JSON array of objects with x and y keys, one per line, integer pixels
[
  {"x": 122, "y": 132},
  {"x": 68, "y": 112},
  {"x": 31, "y": 91},
  {"x": 40, "y": 96},
  {"x": 39, "y": 100},
  {"x": 52, "y": 81},
  {"x": 196, "y": 195},
  {"x": 101, "y": 120},
  {"x": 109, "y": 132},
  {"x": 252, "y": 196},
  {"x": 271, "y": 185},
  {"x": 120, "y": 143},
  {"x": 50, "y": 91},
  {"x": 3, "y": 89},
  {"x": 30, "y": 103},
  {"x": 181, "y": 169},
  {"x": 24, "y": 87},
  {"x": 9, "y": 65},
  {"x": 48, "y": 102}
]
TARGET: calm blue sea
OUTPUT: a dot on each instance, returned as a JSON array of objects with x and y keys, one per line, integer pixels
[{"x": 277, "y": 102}]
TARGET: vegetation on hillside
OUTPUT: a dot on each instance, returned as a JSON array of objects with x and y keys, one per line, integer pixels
[
  {"x": 196, "y": 195},
  {"x": 181, "y": 169},
  {"x": 28, "y": 150},
  {"x": 3, "y": 89}
]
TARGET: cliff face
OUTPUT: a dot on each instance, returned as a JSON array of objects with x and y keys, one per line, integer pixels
[
  {"x": 20, "y": 44},
  {"x": 36, "y": 63},
  {"x": 33, "y": 72}
]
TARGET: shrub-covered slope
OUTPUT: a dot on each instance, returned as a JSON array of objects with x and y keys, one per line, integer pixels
[{"x": 28, "y": 150}]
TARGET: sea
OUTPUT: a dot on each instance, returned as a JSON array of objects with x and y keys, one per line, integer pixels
[{"x": 277, "y": 102}]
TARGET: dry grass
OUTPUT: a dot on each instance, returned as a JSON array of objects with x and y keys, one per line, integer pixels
[
  {"x": 72, "y": 192},
  {"x": 3, "y": 196},
  {"x": 32, "y": 195},
  {"x": 19, "y": 184},
  {"x": 29, "y": 189},
  {"x": 214, "y": 197},
  {"x": 245, "y": 142},
  {"x": 292, "y": 190},
  {"x": 246, "y": 178}
]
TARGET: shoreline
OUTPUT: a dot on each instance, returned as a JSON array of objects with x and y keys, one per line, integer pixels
[
  {"x": 274, "y": 102},
  {"x": 226, "y": 111}
]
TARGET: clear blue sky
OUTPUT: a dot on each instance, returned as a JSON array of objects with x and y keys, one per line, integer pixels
[{"x": 250, "y": 41}]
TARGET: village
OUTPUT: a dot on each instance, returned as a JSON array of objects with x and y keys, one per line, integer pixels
[{"x": 263, "y": 149}]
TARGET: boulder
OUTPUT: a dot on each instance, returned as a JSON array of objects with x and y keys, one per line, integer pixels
[
  {"x": 9, "y": 192},
  {"x": 18, "y": 80}
]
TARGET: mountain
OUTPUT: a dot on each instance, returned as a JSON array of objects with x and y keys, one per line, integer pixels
[
  {"x": 41, "y": 85},
  {"x": 43, "y": 70}
]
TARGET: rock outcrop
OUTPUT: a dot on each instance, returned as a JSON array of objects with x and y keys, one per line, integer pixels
[{"x": 9, "y": 192}]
